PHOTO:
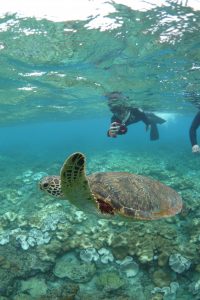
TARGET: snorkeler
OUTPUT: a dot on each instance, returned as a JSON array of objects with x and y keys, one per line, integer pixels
[
  {"x": 193, "y": 133},
  {"x": 124, "y": 115}
]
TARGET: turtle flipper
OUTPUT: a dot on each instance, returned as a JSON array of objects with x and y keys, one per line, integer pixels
[
  {"x": 74, "y": 183},
  {"x": 73, "y": 170}
]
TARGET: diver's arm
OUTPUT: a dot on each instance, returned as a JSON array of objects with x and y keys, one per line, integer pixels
[
  {"x": 114, "y": 119},
  {"x": 193, "y": 131}
]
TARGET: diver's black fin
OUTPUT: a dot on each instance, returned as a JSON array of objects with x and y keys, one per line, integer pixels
[{"x": 154, "y": 134}]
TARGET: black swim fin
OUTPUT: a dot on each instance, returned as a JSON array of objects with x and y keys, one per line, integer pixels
[{"x": 154, "y": 134}]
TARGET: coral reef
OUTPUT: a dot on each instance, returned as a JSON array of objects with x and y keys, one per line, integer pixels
[
  {"x": 161, "y": 278},
  {"x": 179, "y": 263},
  {"x": 109, "y": 281},
  {"x": 35, "y": 286},
  {"x": 50, "y": 240},
  {"x": 128, "y": 266},
  {"x": 69, "y": 266},
  {"x": 169, "y": 292}
]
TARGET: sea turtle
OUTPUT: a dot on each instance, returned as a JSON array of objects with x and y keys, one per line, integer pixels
[{"x": 112, "y": 193}]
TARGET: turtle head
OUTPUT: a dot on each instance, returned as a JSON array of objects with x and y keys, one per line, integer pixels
[{"x": 52, "y": 186}]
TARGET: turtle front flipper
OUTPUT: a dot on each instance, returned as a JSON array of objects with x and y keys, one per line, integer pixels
[{"x": 74, "y": 183}]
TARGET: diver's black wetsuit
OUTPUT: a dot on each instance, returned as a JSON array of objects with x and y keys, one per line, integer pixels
[
  {"x": 193, "y": 129},
  {"x": 136, "y": 115}
]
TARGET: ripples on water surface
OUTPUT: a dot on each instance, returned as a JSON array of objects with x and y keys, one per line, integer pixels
[{"x": 54, "y": 76}]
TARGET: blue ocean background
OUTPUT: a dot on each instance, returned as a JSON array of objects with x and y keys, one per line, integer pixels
[
  {"x": 54, "y": 77},
  {"x": 59, "y": 139}
]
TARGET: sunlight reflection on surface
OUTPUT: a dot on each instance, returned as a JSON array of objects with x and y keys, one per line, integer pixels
[{"x": 60, "y": 10}]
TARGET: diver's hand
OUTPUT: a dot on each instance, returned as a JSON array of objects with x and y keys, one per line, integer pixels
[
  {"x": 195, "y": 149},
  {"x": 114, "y": 129}
]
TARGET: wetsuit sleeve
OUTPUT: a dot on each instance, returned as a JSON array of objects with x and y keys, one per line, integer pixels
[
  {"x": 193, "y": 128},
  {"x": 114, "y": 119}
]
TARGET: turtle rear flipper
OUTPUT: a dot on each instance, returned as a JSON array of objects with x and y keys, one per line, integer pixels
[{"x": 74, "y": 183}]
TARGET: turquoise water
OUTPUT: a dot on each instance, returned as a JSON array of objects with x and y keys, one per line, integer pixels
[{"x": 53, "y": 81}]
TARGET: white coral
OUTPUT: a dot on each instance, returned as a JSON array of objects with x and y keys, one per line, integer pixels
[
  {"x": 89, "y": 254},
  {"x": 105, "y": 256}
]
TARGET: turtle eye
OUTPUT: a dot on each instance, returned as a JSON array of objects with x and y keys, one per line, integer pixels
[{"x": 45, "y": 185}]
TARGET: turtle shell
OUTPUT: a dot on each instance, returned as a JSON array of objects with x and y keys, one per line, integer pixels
[{"x": 134, "y": 196}]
